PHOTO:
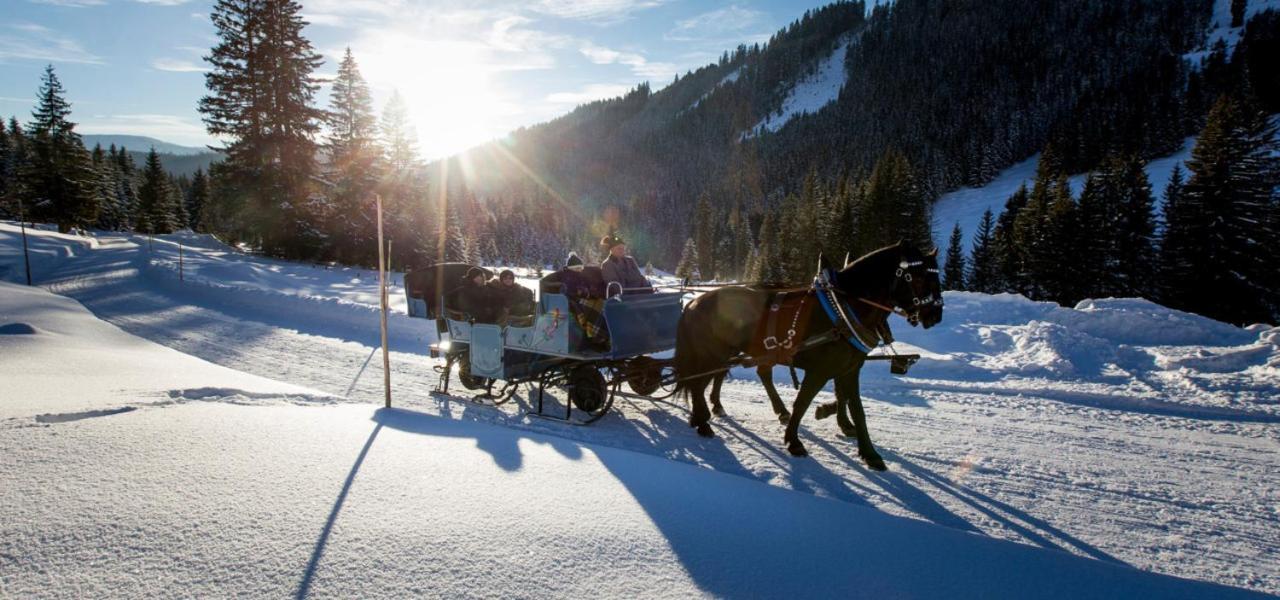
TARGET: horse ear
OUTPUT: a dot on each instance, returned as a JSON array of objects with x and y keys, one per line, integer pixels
[
  {"x": 933, "y": 253},
  {"x": 900, "y": 242},
  {"x": 846, "y": 260},
  {"x": 823, "y": 263}
]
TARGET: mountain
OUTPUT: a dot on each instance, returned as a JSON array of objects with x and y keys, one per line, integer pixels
[
  {"x": 964, "y": 90},
  {"x": 141, "y": 143}
]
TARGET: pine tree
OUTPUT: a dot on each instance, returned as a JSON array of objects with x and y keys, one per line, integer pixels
[
  {"x": 983, "y": 276},
  {"x": 704, "y": 235},
  {"x": 1008, "y": 254},
  {"x": 57, "y": 178},
  {"x": 953, "y": 272},
  {"x": 1055, "y": 258},
  {"x": 1136, "y": 264},
  {"x": 687, "y": 270},
  {"x": 399, "y": 140},
  {"x": 261, "y": 91},
  {"x": 199, "y": 199},
  {"x": 1098, "y": 220},
  {"x": 177, "y": 206},
  {"x": 1225, "y": 208},
  {"x": 894, "y": 208},
  {"x": 154, "y": 210},
  {"x": 1178, "y": 245},
  {"x": 353, "y": 166}
]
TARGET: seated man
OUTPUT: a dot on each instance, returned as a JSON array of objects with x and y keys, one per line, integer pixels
[
  {"x": 621, "y": 269},
  {"x": 513, "y": 299},
  {"x": 476, "y": 299}
]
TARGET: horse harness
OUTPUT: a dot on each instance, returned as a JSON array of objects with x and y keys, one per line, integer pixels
[{"x": 772, "y": 346}]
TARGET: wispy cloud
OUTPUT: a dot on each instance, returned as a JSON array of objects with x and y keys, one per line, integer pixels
[
  {"x": 70, "y": 3},
  {"x": 638, "y": 63},
  {"x": 599, "y": 11},
  {"x": 595, "y": 91},
  {"x": 163, "y": 2},
  {"x": 178, "y": 65},
  {"x": 28, "y": 41},
  {"x": 722, "y": 24}
]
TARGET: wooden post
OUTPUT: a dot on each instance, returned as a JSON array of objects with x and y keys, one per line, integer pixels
[
  {"x": 22, "y": 223},
  {"x": 382, "y": 287}
]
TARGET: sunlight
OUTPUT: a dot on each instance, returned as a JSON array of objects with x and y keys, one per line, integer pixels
[{"x": 447, "y": 85}]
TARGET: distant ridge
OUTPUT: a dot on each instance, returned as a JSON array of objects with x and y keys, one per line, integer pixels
[{"x": 141, "y": 143}]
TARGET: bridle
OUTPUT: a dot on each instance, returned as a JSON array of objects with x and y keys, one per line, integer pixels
[{"x": 918, "y": 303}]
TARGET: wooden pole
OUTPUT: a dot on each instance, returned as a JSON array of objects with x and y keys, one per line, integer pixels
[
  {"x": 22, "y": 223},
  {"x": 382, "y": 292}
]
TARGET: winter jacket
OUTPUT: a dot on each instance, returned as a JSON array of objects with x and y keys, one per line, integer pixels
[
  {"x": 587, "y": 283},
  {"x": 515, "y": 299},
  {"x": 479, "y": 302},
  {"x": 627, "y": 273}
]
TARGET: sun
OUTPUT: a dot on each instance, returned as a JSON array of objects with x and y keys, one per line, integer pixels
[{"x": 447, "y": 85}]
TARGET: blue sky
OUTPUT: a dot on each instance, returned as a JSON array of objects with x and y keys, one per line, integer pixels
[{"x": 469, "y": 70}]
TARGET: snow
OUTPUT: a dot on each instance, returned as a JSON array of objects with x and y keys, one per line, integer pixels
[
  {"x": 812, "y": 91},
  {"x": 966, "y": 205},
  {"x": 1220, "y": 28},
  {"x": 227, "y": 438}
]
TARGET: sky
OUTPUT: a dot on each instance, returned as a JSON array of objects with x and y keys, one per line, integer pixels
[{"x": 470, "y": 70}]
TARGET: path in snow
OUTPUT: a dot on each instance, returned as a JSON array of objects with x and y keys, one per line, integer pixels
[{"x": 1184, "y": 491}]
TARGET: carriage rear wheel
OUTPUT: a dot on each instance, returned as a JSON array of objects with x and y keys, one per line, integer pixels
[
  {"x": 468, "y": 380},
  {"x": 644, "y": 375},
  {"x": 587, "y": 389}
]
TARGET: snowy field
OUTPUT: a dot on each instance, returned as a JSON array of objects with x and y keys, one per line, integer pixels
[{"x": 223, "y": 434}]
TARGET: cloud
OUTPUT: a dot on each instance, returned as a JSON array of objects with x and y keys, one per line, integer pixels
[
  {"x": 177, "y": 65},
  {"x": 599, "y": 11},
  {"x": 70, "y": 3},
  {"x": 638, "y": 63},
  {"x": 725, "y": 23},
  {"x": 170, "y": 128},
  {"x": 589, "y": 93},
  {"x": 163, "y": 2},
  {"x": 28, "y": 41}
]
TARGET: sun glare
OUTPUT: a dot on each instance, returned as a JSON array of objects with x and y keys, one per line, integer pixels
[{"x": 447, "y": 85}]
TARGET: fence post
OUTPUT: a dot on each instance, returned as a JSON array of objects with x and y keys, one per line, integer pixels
[
  {"x": 382, "y": 292},
  {"x": 22, "y": 223}
]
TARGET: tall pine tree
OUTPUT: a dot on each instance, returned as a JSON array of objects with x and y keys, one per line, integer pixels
[
  {"x": 57, "y": 178},
  {"x": 983, "y": 274},
  {"x": 953, "y": 273}
]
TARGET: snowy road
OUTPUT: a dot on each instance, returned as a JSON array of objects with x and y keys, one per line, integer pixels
[{"x": 1159, "y": 470}]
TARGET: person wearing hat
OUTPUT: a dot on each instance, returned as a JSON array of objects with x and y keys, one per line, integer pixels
[
  {"x": 513, "y": 298},
  {"x": 583, "y": 286},
  {"x": 475, "y": 298},
  {"x": 622, "y": 269}
]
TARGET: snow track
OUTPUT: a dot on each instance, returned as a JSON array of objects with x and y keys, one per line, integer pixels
[{"x": 1177, "y": 474}]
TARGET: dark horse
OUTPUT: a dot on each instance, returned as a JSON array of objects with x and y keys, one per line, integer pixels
[{"x": 717, "y": 328}]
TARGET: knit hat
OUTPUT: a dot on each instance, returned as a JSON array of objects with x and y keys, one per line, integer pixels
[
  {"x": 609, "y": 241},
  {"x": 473, "y": 271},
  {"x": 574, "y": 263},
  {"x": 507, "y": 273}
]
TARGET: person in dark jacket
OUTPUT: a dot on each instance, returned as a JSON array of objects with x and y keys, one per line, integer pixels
[
  {"x": 476, "y": 299},
  {"x": 513, "y": 298},
  {"x": 622, "y": 269},
  {"x": 585, "y": 292}
]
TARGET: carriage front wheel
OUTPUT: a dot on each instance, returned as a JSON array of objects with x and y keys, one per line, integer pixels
[
  {"x": 469, "y": 381},
  {"x": 587, "y": 389}
]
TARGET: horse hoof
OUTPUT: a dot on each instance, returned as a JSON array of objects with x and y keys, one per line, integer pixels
[
  {"x": 717, "y": 410},
  {"x": 797, "y": 449},
  {"x": 784, "y": 417},
  {"x": 874, "y": 462},
  {"x": 824, "y": 411},
  {"x": 704, "y": 430}
]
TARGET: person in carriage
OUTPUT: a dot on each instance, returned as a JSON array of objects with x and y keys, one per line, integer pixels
[
  {"x": 584, "y": 287},
  {"x": 621, "y": 273},
  {"x": 477, "y": 299},
  {"x": 511, "y": 298}
]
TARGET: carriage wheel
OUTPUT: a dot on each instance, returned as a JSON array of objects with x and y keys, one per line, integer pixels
[
  {"x": 587, "y": 389},
  {"x": 468, "y": 380},
  {"x": 644, "y": 375}
]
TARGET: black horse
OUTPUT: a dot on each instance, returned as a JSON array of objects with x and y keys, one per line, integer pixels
[{"x": 717, "y": 328}]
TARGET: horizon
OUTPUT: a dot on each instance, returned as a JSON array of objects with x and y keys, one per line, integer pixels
[{"x": 506, "y": 65}]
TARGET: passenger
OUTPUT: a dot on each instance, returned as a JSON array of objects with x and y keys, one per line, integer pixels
[
  {"x": 585, "y": 302},
  {"x": 622, "y": 269},
  {"x": 514, "y": 299},
  {"x": 475, "y": 298}
]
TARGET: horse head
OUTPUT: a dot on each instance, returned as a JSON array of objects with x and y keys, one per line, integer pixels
[{"x": 916, "y": 288}]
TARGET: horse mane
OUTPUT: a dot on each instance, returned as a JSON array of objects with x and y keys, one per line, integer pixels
[{"x": 857, "y": 275}]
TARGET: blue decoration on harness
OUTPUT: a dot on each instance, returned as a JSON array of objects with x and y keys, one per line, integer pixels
[{"x": 821, "y": 285}]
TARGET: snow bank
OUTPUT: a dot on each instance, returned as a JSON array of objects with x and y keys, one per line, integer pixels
[{"x": 813, "y": 91}]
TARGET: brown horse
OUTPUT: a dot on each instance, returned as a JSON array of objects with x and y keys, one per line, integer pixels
[{"x": 717, "y": 329}]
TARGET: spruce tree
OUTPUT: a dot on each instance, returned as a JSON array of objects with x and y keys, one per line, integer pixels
[
  {"x": 1097, "y": 219},
  {"x": 953, "y": 273},
  {"x": 57, "y": 176},
  {"x": 261, "y": 91},
  {"x": 1226, "y": 206},
  {"x": 687, "y": 270},
  {"x": 353, "y": 166},
  {"x": 155, "y": 212},
  {"x": 399, "y": 140},
  {"x": 199, "y": 199},
  {"x": 983, "y": 274},
  {"x": 1136, "y": 263},
  {"x": 895, "y": 208},
  {"x": 704, "y": 235},
  {"x": 1055, "y": 255},
  {"x": 1179, "y": 244},
  {"x": 1008, "y": 254}
]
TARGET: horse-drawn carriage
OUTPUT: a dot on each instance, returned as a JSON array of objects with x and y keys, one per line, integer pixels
[
  {"x": 549, "y": 349},
  {"x": 828, "y": 330}
]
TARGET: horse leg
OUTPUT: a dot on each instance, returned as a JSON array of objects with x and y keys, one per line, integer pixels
[
  {"x": 766, "y": 379},
  {"x": 808, "y": 389},
  {"x": 826, "y": 409},
  {"x": 847, "y": 391},
  {"x": 700, "y": 415},
  {"x": 841, "y": 406},
  {"x": 716, "y": 408}
]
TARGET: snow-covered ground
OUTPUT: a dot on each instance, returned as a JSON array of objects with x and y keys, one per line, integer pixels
[{"x": 1114, "y": 435}]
